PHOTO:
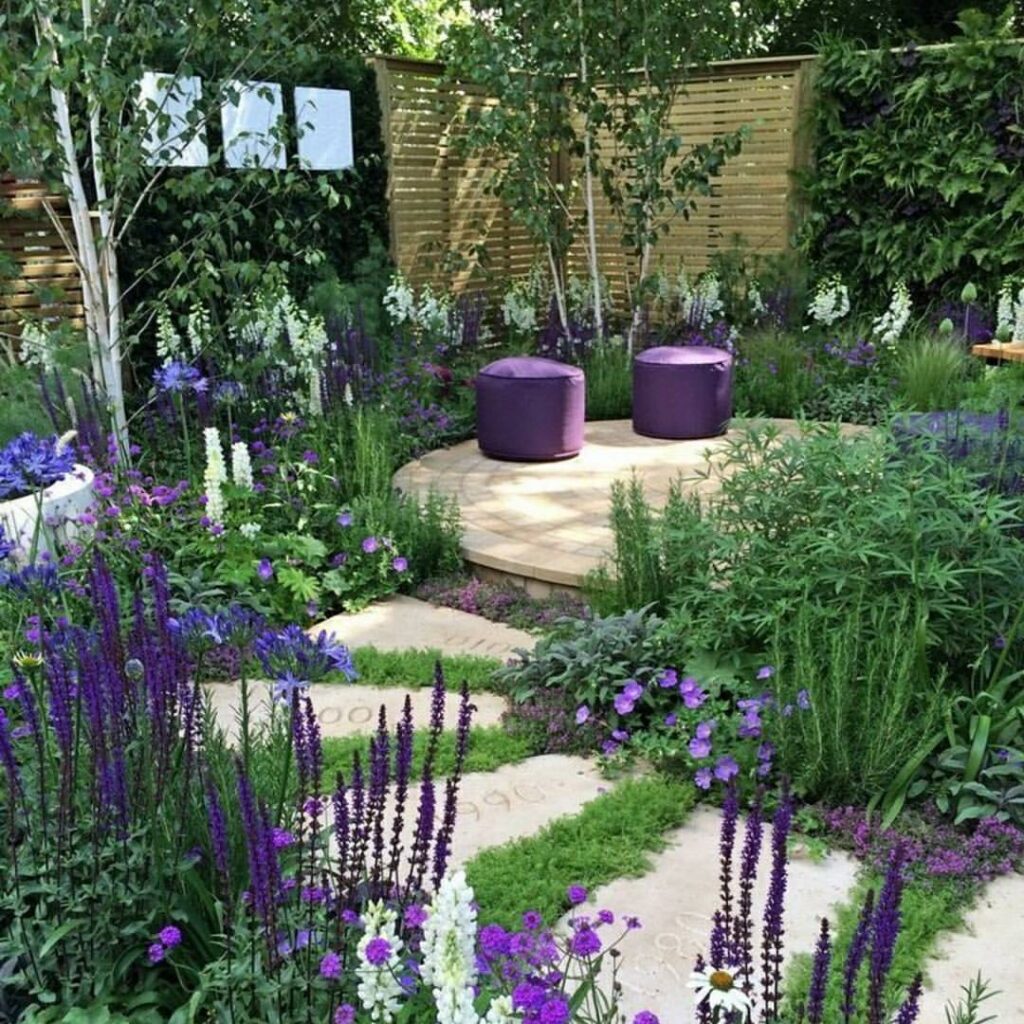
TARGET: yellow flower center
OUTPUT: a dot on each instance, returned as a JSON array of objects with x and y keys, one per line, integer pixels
[{"x": 721, "y": 980}]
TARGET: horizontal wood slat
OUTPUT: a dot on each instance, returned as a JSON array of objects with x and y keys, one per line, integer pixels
[
  {"x": 45, "y": 282},
  {"x": 440, "y": 196}
]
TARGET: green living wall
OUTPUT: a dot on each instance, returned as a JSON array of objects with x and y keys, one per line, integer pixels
[{"x": 918, "y": 169}]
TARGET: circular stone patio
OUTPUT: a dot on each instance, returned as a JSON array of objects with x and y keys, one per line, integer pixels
[{"x": 544, "y": 525}]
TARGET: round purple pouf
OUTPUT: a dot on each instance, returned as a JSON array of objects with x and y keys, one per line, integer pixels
[
  {"x": 529, "y": 409},
  {"x": 682, "y": 392}
]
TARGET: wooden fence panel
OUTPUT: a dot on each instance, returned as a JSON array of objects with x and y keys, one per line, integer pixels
[
  {"x": 439, "y": 204},
  {"x": 45, "y": 282}
]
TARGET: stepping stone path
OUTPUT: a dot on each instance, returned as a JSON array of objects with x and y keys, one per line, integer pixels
[
  {"x": 992, "y": 945},
  {"x": 404, "y": 623},
  {"x": 676, "y": 899},
  {"x": 348, "y": 709}
]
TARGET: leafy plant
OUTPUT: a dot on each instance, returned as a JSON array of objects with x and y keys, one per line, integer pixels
[{"x": 932, "y": 373}]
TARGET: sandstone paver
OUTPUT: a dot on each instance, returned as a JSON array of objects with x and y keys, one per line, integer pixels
[{"x": 677, "y": 898}]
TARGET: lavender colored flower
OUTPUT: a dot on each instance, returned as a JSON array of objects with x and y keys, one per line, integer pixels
[
  {"x": 156, "y": 953},
  {"x": 633, "y": 690},
  {"x": 528, "y": 995},
  {"x": 855, "y": 955},
  {"x": 646, "y": 1017},
  {"x": 415, "y": 916},
  {"x": 703, "y": 778},
  {"x": 265, "y": 569},
  {"x": 345, "y": 1014},
  {"x": 819, "y": 975},
  {"x": 30, "y": 463},
  {"x": 576, "y": 894},
  {"x": 671, "y": 720},
  {"x": 586, "y": 942},
  {"x": 170, "y": 936},
  {"x": 370, "y": 545},
  {"x": 803, "y": 700},
  {"x": 494, "y": 941},
  {"x": 532, "y": 920},
  {"x": 699, "y": 748},
  {"x": 554, "y": 1011},
  {"x": 177, "y": 376},
  {"x": 668, "y": 679},
  {"x": 330, "y": 966},
  {"x": 766, "y": 672},
  {"x": 344, "y": 519},
  {"x": 6, "y": 546},
  {"x": 399, "y": 564},
  {"x": 623, "y": 704},
  {"x": 582, "y": 714},
  {"x": 911, "y": 1005},
  {"x": 378, "y": 951}
]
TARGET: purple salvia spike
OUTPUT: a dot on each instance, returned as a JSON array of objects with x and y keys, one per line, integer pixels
[
  {"x": 342, "y": 835},
  {"x": 819, "y": 976},
  {"x": 314, "y": 745},
  {"x": 217, "y": 825},
  {"x": 443, "y": 841},
  {"x": 717, "y": 943},
  {"x": 437, "y": 703},
  {"x": 911, "y": 1005},
  {"x": 380, "y": 770},
  {"x": 360, "y": 832},
  {"x": 703, "y": 1012},
  {"x": 726, "y": 845},
  {"x": 252, "y": 828},
  {"x": 403, "y": 771},
  {"x": 743, "y": 930},
  {"x": 297, "y": 721},
  {"x": 9, "y": 760},
  {"x": 886, "y": 929},
  {"x": 855, "y": 956},
  {"x": 774, "y": 909},
  {"x": 424, "y": 833}
]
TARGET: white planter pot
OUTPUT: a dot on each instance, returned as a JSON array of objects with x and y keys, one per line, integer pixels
[{"x": 62, "y": 503}]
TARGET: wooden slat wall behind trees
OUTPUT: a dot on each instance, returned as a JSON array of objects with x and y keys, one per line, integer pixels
[
  {"x": 438, "y": 202},
  {"x": 446, "y": 230},
  {"x": 38, "y": 277}
]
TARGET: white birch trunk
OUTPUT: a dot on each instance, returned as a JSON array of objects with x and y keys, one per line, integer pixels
[
  {"x": 588, "y": 190},
  {"x": 558, "y": 287}
]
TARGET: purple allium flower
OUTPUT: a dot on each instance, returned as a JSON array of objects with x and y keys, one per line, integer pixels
[
  {"x": 330, "y": 966},
  {"x": 703, "y": 778},
  {"x": 699, "y": 748},
  {"x": 726, "y": 768},
  {"x": 170, "y": 936},
  {"x": 766, "y": 672},
  {"x": 646, "y": 1017},
  {"x": 156, "y": 953},
  {"x": 377, "y": 952},
  {"x": 265, "y": 569},
  {"x": 344, "y": 519},
  {"x": 414, "y": 916},
  {"x": 532, "y": 920},
  {"x": 582, "y": 714},
  {"x": 345, "y": 1014},
  {"x": 399, "y": 564},
  {"x": 576, "y": 894},
  {"x": 370, "y": 544}
]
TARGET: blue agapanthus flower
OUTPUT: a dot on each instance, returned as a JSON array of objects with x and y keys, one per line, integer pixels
[
  {"x": 6, "y": 546},
  {"x": 294, "y": 659},
  {"x": 179, "y": 376},
  {"x": 29, "y": 463}
]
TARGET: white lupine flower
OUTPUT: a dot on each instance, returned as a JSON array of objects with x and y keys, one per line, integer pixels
[
  {"x": 400, "y": 300},
  {"x": 449, "y": 962},
  {"x": 214, "y": 475},
  {"x": 379, "y": 989},
  {"x": 241, "y": 465},
  {"x": 168, "y": 341},
  {"x": 35, "y": 348},
  {"x": 500, "y": 1011},
  {"x": 249, "y": 530},
  {"x": 831, "y": 301},
  {"x": 889, "y": 327},
  {"x": 198, "y": 328}
]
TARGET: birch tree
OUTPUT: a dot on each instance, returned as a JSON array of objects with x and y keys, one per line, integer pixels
[{"x": 72, "y": 113}]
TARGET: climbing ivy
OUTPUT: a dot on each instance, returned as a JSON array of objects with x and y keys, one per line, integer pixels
[{"x": 919, "y": 163}]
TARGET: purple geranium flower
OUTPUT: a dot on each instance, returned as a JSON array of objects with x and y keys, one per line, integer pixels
[
  {"x": 582, "y": 714},
  {"x": 700, "y": 748},
  {"x": 370, "y": 544},
  {"x": 726, "y": 768}
]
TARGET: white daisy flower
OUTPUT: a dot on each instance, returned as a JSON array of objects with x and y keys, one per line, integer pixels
[{"x": 718, "y": 988}]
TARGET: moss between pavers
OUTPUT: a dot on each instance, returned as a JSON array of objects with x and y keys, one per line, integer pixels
[{"x": 612, "y": 837}]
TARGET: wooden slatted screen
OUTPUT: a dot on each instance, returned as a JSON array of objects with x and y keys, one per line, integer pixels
[
  {"x": 45, "y": 281},
  {"x": 438, "y": 203}
]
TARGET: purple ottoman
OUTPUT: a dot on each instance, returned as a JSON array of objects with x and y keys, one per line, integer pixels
[
  {"x": 529, "y": 409},
  {"x": 682, "y": 392}
]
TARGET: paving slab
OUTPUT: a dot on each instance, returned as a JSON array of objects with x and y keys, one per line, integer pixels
[
  {"x": 992, "y": 944},
  {"x": 675, "y": 902},
  {"x": 402, "y": 623},
  {"x": 527, "y": 520},
  {"x": 349, "y": 709}
]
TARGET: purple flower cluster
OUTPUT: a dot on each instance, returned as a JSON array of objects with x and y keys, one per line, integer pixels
[
  {"x": 177, "y": 376},
  {"x": 167, "y": 939},
  {"x": 934, "y": 851},
  {"x": 294, "y": 659},
  {"x": 502, "y": 602},
  {"x": 861, "y": 355},
  {"x": 30, "y": 463}
]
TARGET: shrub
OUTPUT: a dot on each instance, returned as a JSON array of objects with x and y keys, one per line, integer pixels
[
  {"x": 609, "y": 381},
  {"x": 932, "y": 373}
]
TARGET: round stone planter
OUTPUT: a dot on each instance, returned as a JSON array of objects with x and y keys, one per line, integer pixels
[{"x": 62, "y": 503}]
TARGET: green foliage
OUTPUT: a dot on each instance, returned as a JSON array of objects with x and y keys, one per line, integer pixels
[
  {"x": 776, "y": 377},
  {"x": 610, "y": 838},
  {"x": 609, "y": 379},
  {"x": 917, "y": 171},
  {"x": 818, "y": 519},
  {"x": 969, "y": 1009},
  {"x": 932, "y": 373},
  {"x": 588, "y": 658},
  {"x": 416, "y": 668},
  {"x": 490, "y": 747},
  {"x": 863, "y": 665}
]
